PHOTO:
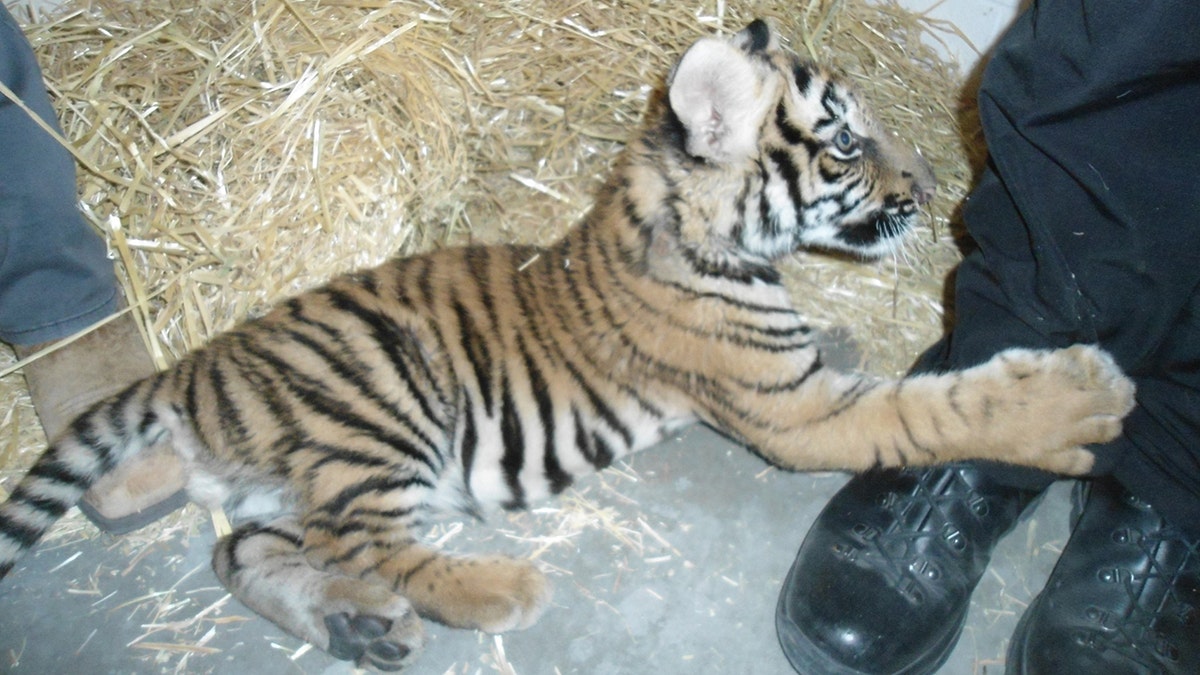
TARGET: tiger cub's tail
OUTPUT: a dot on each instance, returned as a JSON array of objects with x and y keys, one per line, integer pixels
[{"x": 94, "y": 444}]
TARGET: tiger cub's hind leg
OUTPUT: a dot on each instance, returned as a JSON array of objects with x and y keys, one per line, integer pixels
[
  {"x": 265, "y": 567},
  {"x": 489, "y": 593}
]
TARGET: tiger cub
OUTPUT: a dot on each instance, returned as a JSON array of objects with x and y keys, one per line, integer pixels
[{"x": 493, "y": 376}]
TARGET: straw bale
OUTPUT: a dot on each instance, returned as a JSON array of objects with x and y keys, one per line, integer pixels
[{"x": 232, "y": 153}]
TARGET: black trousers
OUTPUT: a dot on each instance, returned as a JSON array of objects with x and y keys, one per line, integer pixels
[{"x": 1087, "y": 222}]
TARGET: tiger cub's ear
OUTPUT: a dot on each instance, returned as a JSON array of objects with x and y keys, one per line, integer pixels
[
  {"x": 720, "y": 94},
  {"x": 757, "y": 37}
]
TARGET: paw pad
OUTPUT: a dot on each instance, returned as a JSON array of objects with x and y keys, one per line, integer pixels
[{"x": 362, "y": 639}]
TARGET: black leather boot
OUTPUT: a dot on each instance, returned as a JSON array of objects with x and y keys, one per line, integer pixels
[
  {"x": 1123, "y": 598},
  {"x": 884, "y": 578}
]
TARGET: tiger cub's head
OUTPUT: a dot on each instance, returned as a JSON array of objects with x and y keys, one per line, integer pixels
[{"x": 820, "y": 171}]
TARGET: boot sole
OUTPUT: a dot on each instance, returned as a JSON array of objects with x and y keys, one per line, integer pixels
[{"x": 138, "y": 519}]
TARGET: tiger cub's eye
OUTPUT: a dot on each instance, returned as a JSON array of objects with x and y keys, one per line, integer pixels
[{"x": 845, "y": 142}]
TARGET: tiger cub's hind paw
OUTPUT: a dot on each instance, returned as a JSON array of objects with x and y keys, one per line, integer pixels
[
  {"x": 366, "y": 640},
  {"x": 369, "y": 625}
]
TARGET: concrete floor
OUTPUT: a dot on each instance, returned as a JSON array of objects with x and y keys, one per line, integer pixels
[{"x": 668, "y": 564}]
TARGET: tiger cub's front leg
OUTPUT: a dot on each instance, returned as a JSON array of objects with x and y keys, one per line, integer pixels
[
  {"x": 266, "y": 569},
  {"x": 1031, "y": 407}
]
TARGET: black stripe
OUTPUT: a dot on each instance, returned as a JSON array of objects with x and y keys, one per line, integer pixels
[
  {"x": 348, "y": 526},
  {"x": 292, "y": 539},
  {"x": 479, "y": 260},
  {"x": 789, "y": 131},
  {"x": 148, "y": 421},
  {"x": 312, "y": 394},
  {"x": 582, "y": 440},
  {"x": 190, "y": 397},
  {"x": 415, "y": 354},
  {"x": 602, "y": 409},
  {"x": 390, "y": 337},
  {"x": 727, "y": 299},
  {"x": 233, "y": 541},
  {"x": 849, "y": 398},
  {"x": 831, "y": 103},
  {"x": 551, "y": 342},
  {"x": 628, "y": 344},
  {"x": 51, "y": 468},
  {"x": 356, "y": 374},
  {"x": 48, "y": 505},
  {"x": 770, "y": 225},
  {"x": 588, "y": 320},
  {"x": 367, "y": 280},
  {"x": 25, "y": 535},
  {"x": 740, "y": 271},
  {"x": 470, "y": 438},
  {"x": 266, "y": 390},
  {"x": 785, "y": 387},
  {"x": 117, "y": 408},
  {"x": 604, "y": 451},
  {"x": 952, "y": 399},
  {"x": 399, "y": 291},
  {"x": 832, "y": 173},
  {"x": 684, "y": 379},
  {"x": 791, "y": 175},
  {"x": 513, "y": 434},
  {"x": 377, "y": 484},
  {"x": 330, "y": 454},
  {"x": 555, "y": 475},
  {"x": 233, "y": 426},
  {"x": 862, "y": 234},
  {"x": 724, "y": 336},
  {"x": 635, "y": 218},
  {"x": 350, "y": 553},
  {"x": 908, "y": 432},
  {"x": 249, "y": 531},
  {"x": 416, "y": 569},
  {"x": 474, "y": 345},
  {"x": 802, "y": 75},
  {"x": 424, "y": 279},
  {"x": 802, "y": 330},
  {"x": 390, "y": 514},
  {"x": 83, "y": 428}
]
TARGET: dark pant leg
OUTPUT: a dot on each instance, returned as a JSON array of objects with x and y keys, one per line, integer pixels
[
  {"x": 55, "y": 278},
  {"x": 1087, "y": 223}
]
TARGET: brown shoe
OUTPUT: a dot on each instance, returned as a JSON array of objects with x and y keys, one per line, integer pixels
[{"x": 65, "y": 382}]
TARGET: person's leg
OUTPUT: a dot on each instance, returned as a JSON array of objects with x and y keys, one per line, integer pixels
[
  {"x": 56, "y": 280},
  {"x": 1123, "y": 598},
  {"x": 1085, "y": 224},
  {"x": 55, "y": 277},
  {"x": 1125, "y": 595}
]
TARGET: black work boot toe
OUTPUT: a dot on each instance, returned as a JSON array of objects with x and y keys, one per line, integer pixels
[
  {"x": 884, "y": 578},
  {"x": 1123, "y": 599}
]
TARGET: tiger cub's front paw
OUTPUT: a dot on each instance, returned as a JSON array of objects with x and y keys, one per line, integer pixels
[{"x": 1059, "y": 401}]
